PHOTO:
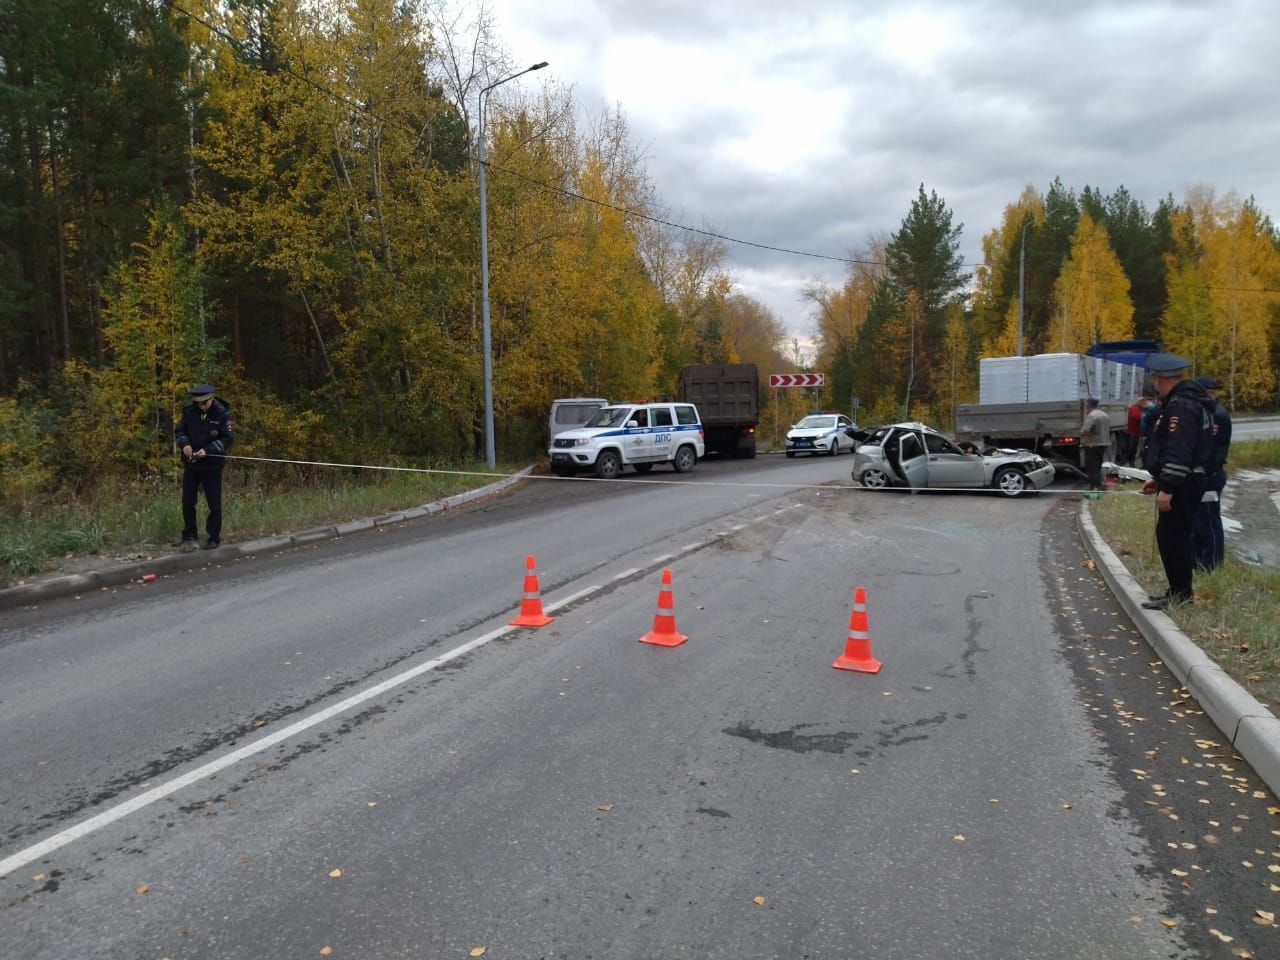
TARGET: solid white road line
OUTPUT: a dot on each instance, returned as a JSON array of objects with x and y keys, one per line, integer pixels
[{"x": 120, "y": 811}]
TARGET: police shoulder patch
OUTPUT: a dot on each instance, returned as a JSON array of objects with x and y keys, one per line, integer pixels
[{"x": 1173, "y": 422}]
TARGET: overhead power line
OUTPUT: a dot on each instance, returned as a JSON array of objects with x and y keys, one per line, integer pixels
[{"x": 321, "y": 88}]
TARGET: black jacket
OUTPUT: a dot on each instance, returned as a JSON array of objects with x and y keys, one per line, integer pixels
[
  {"x": 209, "y": 431},
  {"x": 1181, "y": 443},
  {"x": 1221, "y": 437}
]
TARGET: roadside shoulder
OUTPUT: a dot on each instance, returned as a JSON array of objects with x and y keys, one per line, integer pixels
[{"x": 1252, "y": 729}]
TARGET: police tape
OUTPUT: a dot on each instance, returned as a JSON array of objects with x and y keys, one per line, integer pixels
[{"x": 650, "y": 480}]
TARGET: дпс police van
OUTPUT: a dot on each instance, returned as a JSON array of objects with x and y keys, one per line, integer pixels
[{"x": 635, "y": 434}]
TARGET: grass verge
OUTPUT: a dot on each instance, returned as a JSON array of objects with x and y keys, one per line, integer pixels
[
  {"x": 1236, "y": 616},
  {"x": 139, "y": 519}
]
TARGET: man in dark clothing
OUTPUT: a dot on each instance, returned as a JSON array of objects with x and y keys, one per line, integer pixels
[
  {"x": 203, "y": 434},
  {"x": 1180, "y": 447},
  {"x": 1206, "y": 533}
]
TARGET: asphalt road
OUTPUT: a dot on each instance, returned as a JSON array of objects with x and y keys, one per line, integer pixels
[{"x": 1021, "y": 779}]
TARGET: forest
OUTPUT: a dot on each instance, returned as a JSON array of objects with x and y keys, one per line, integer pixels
[{"x": 281, "y": 198}]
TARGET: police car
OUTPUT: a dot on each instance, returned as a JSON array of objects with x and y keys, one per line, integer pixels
[
  {"x": 820, "y": 433},
  {"x": 631, "y": 434}
]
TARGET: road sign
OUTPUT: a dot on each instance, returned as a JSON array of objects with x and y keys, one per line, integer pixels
[{"x": 795, "y": 379}]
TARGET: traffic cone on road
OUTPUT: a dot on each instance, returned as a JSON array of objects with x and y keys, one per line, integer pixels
[
  {"x": 531, "y": 614},
  {"x": 857, "y": 649},
  {"x": 664, "y": 621}
]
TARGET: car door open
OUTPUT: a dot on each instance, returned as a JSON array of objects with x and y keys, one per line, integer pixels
[{"x": 913, "y": 460}]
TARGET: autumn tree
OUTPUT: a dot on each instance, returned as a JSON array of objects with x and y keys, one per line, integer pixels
[
  {"x": 1092, "y": 291},
  {"x": 925, "y": 273},
  {"x": 1223, "y": 299}
]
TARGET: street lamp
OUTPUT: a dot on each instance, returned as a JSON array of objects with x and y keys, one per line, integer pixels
[
  {"x": 490, "y": 457},
  {"x": 1022, "y": 271}
]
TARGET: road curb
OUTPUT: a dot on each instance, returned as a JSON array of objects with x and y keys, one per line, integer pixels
[
  {"x": 134, "y": 570},
  {"x": 1254, "y": 731}
]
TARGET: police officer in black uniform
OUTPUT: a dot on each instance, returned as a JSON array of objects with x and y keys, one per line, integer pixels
[
  {"x": 1177, "y": 457},
  {"x": 204, "y": 437},
  {"x": 1207, "y": 535}
]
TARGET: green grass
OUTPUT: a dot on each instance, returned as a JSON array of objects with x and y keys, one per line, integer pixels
[
  {"x": 1236, "y": 616},
  {"x": 138, "y": 519}
]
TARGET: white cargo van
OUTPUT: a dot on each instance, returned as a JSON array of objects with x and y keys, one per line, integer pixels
[{"x": 572, "y": 412}]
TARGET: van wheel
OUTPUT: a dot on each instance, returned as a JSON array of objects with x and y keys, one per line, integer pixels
[
  {"x": 608, "y": 466},
  {"x": 685, "y": 459}
]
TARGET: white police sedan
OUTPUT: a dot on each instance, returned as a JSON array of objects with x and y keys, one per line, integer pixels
[{"x": 820, "y": 433}]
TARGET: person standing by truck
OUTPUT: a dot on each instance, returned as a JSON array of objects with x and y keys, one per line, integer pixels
[
  {"x": 1180, "y": 451},
  {"x": 1133, "y": 431},
  {"x": 1206, "y": 534},
  {"x": 1095, "y": 435}
]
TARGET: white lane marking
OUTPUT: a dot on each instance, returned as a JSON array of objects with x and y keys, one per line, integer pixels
[
  {"x": 155, "y": 794},
  {"x": 631, "y": 572}
]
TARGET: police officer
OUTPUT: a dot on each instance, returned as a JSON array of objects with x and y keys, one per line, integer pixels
[
  {"x": 1206, "y": 533},
  {"x": 203, "y": 434},
  {"x": 1179, "y": 453}
]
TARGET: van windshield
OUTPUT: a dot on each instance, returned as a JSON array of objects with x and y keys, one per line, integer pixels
[{"x": 609, "y": 417}]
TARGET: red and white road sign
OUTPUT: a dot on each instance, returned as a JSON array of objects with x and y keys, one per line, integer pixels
[{"x": 795, "y": 379}]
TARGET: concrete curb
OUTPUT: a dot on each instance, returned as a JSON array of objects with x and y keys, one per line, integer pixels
[
  {"x": 134, "y": 570},
  {"x": 1252, "y": 729}
]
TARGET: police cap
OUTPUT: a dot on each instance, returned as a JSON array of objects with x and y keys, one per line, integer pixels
[
  {"x": 1167, "y": 364},
  {"x": 202, "y": 391},
  {"x": 1209, "y": 383}
]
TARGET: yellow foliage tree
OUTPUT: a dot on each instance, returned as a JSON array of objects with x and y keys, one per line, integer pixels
[
  {"x": 1223, "y": 299},
  {"x": 1092, "y": 292}
]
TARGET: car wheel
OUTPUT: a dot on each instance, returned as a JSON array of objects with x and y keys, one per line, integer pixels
[
  {"x": 608, "y": 466},
  {"x": 1010, "y": 481},
  {"x": 874, "y": 478},
  {"x": 685, "y": 459},
  {"x": 643, "y": 467},
  {"x": 835, "y": 448}
]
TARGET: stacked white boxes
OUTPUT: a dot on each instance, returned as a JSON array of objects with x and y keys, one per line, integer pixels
[
  {"x": 1002, "y": 380},
  {"x": 1048, "y": 377}
]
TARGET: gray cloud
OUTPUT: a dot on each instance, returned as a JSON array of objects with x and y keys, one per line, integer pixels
[{"x": 810, "y": 125}]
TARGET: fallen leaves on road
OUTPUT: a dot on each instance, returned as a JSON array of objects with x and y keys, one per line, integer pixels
[
  {"x": 335, "y": 872},
  {"x": 478, "y": 951},
  {"x": 142, "y": 889},
  {"x": 759, "y": 901}
]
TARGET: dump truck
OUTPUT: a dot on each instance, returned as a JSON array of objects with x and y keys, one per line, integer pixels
[
  {"x": 727, "y": 396},
  {"x": 1038, "y": 402}
]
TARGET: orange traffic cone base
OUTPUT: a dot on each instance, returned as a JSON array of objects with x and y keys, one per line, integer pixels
[
  {"x": 862, "y": 665},
  {"x": 538, "y": 619},
  {"x": 665, "y": 639}
]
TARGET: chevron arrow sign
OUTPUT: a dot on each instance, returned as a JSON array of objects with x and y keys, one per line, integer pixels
[{"x": 795, "y": 379}]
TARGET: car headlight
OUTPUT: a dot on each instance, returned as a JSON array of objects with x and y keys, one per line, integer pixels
[{"x": 582, "y": 442}]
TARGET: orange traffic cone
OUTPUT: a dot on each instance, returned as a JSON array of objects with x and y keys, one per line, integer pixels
[
  {"x": 531, "y": 614},
  {"x": 857, "y": 649},
  {"x": 664, "y": 621}
]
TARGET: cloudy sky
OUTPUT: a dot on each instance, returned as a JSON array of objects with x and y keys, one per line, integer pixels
[{"x": 810, "y": 124}]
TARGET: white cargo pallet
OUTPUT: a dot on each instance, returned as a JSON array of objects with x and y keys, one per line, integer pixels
[{"x": 1055, "y": 376}]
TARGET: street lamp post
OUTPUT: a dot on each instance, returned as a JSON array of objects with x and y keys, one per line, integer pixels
[
  {"x": 490, "y": 455},
  {"x": 1022, "y": 271}
]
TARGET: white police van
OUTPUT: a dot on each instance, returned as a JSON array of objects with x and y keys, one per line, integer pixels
[{"x": 631, "y": 434}]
